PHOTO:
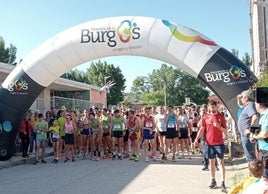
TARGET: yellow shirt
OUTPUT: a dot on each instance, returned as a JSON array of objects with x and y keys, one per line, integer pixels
[
  {"x": 56, "y": 129},
  {"x": 244, "y": 183},
  {"x": 61, "y": 122}
]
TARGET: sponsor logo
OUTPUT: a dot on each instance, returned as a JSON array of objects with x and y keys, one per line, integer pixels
[
  {"x": 125, "y": 32},
  {"x": 19, "y": 86},
  {"x": 6, "y": 126},
  {"x": 227, "y": 76}
]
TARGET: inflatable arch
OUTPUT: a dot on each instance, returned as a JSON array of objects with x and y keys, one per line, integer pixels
[{"x": 155, "y": 38}]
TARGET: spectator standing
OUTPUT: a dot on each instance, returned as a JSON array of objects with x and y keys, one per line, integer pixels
[
  {"x": 25, "y": 131},
  {"x": 262, "y": 136},
  {"x": 247, "y": 118}
]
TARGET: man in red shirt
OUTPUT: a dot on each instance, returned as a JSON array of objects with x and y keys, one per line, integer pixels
[{"x": 213, "y": 124}]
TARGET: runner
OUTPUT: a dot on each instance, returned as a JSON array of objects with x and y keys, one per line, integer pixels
[
  {"x": 85, "y": 133},
  {"x": 117, "y": 134},
  {"x": 184, "y": 136},
  {"x": 54, "y": 137},
  {"x": 148, "y": 124},
  {"x": 134, "y": 127},
  {"x": 171, "y": 123},
  {"x": 41, "y": 128},
  {"x": 96, "y": 136},
  {"x": 106, "y": 124},
  {"x": 69, "y": 128},
  {"x": 161, "y": 130}
]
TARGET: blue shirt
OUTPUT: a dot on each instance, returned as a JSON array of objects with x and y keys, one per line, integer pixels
[
  {"x": 244, "y": 120},
  {"x": 171, "y": 121},
  {"x": 264, "y": 127}
]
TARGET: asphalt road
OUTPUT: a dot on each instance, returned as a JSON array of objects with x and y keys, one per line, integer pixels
[{"x": 111, "y": 177}]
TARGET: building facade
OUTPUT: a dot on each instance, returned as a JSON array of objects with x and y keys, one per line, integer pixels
[
  {"x": 259, "y": 36},
  {"x": 80, "y": 95}
]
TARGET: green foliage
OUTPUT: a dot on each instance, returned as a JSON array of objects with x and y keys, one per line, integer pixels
[
  {"x": 173, "y": 83},
  {"x": 75, "y": 75},
  {"x": 7, "y": 55},
  {"x": 247, "y": 60},
  {"x": 263, "y": 80},
  {"x": 95, "y": 75},
  {"x": 153, "y": 98}
]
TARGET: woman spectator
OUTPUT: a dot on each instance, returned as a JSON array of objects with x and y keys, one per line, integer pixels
[{"x": 25, "y": 134}]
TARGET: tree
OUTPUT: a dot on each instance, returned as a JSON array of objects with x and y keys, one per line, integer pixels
[
  {"x": 7, "y": 55},
  {"x": 75, "y": 75},
  {"x": 247, "y": 60},
  {"x": 263, "y": 80},
  {"x": 173, "y": 83},
  {"x": 96, "y": 74}
]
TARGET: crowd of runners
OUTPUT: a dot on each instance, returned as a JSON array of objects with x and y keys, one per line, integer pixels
[{"x": 149, "y": 133}]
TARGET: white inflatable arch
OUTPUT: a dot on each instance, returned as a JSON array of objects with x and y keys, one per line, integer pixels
[{"x": 155, "y": 38}]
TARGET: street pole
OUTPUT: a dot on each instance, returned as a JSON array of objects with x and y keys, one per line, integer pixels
[
  {"x": 165, "y": 92},
  {"x": 105, "y": 92}
]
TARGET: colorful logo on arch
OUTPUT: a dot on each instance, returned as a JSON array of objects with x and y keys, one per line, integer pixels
[
  {"x": 177, "y": 34},
  {"x": 127, "y": 31}
]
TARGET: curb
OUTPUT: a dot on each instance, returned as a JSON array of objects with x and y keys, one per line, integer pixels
[{"x": 18, "y": 160}]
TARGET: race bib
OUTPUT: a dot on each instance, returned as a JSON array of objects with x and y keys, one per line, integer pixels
[
  {"x": 55, "y": 135},
  {"x": 149, "y": 124},
  {"x": 105, "y": 126},
  {"x": 117, "y": 126},
  {"x": 194, "y": 129},
  {"x": 171, "y": 125}
]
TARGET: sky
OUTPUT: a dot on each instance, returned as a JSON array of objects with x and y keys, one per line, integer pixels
[{"x": 28, "y": 23}]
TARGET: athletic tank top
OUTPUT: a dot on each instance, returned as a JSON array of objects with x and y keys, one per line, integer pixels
[
  {"x": 69, "y": 128},
  {"x": 132, "y": 123},
  {"x": 171, "y": 121},
  {"x": 148, "y": 122},
  {"x": 105, "y": 122},
  {"x": 118, "y": 124},
  {"x": 94, "y": 127}
]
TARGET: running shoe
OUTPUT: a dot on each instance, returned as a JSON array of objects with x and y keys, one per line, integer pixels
[
  {"x": 164, "y": 159},
  {"x": 105, "y": 155},
  {"x": 152, "y": 155},
  {"x": 137, "y": 158},
  {"x": 132, "y": 157},
  {"x": 67, "y": 159},
  {"x": 147, "y": 159},
  {"x": 43, "y": 161},
  {"x": 223, "y": 188},
  {"x": 114, "y": 156},
  {"x": 205, "y": 168},
  {"x": 213, "y": 184}
]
